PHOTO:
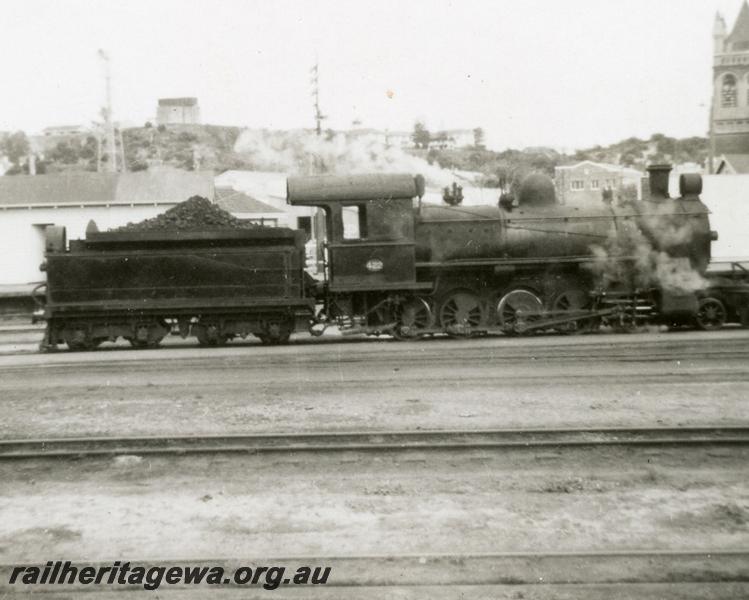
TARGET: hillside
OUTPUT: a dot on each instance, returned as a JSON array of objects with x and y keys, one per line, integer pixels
[
  {"x": 508, "y": 167},
  {"x": 212, "y": 147},
  {"x": 188, "y": 147}
]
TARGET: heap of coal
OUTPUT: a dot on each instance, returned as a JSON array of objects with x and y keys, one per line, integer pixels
[{"x": 195, "y": 214}]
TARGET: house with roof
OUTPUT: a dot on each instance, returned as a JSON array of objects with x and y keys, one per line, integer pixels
[
  {"x": 268, "y": 189},
  {"x": 28, "y": 203},
  {"x": 246, "y": 207},
  {"x": 586, "y": 181}
]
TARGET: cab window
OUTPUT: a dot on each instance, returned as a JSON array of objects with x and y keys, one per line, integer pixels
[{"x": 355, "y": 222}]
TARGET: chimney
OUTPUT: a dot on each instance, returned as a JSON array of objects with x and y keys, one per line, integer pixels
[{"x": 659, "y": 175}]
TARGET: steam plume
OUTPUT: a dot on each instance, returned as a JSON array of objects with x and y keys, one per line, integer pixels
[
  {"x": 655, "y": 253},
  {"x": 304, "y": 153}
]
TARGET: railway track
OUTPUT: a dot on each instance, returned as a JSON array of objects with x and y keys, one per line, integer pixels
[
  {"x": 625, "y": 568},
  {"x": 374, "y": 441}
]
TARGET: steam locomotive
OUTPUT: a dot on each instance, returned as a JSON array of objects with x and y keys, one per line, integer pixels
[{"x": 393, "y": 264}]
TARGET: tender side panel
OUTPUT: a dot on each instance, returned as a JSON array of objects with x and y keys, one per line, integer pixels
[
  {"x": 185, "y": 275},
  {"x": 175, "y": 273}
]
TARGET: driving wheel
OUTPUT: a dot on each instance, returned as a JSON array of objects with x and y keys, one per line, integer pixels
[{"x": 517, "y": 310}]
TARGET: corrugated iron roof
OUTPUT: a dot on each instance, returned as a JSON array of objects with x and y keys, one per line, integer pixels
[
  {"x": 238, "y": 202},
  {"x": 85, "y": 189},
  {"x": 604, "y": 166},
  {"x": 268, "y": 187},
  {"x": 165, "y": 186}
]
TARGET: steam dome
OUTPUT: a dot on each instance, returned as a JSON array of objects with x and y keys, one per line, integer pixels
[{"x": 537, "y": 189}]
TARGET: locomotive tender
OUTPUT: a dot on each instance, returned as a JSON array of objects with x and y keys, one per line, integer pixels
[{"x": 400, "y": 267}]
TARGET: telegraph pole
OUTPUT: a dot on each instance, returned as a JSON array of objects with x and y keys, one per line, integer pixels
[
  {"x": 316, "y": 96},
  {"x": 711, "y": 140},
  {"x": 107, "y": 112}
]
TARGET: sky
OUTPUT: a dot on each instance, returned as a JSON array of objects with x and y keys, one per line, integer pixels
[{"x": 567, "y": 74}]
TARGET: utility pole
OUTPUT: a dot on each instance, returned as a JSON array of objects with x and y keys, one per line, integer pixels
[
  {"x": 711, "y": 140},
  {"x": 122, "y": 149},
  {"x": 107, "y": 112},
  {"x": 316, "y": 96},
  {"x": 98, "y": 151}
]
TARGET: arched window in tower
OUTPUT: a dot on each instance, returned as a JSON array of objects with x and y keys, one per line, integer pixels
[{"x": 728, "y": 91}]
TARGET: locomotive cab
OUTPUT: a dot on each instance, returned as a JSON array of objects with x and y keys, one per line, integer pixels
[{"x": 370, "y": 228}]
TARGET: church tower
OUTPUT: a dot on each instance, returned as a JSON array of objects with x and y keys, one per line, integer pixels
[{"x": 729, "y": 126}]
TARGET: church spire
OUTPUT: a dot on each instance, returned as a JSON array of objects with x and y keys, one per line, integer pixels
[{"x": 739, "y": 38}]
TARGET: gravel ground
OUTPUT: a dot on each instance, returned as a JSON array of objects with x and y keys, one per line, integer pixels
[
  {"x": 589, "y": 381},
  {"x": 341, "y": 504},
  {"x": 348, "y": 503},
  {"x": 689, "y": 591}
]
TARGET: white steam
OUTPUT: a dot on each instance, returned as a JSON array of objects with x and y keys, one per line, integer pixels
[
  {"x": 651, "y": 254},
  {"x": 305, "y": 153}
]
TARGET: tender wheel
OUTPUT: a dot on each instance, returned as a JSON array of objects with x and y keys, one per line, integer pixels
[
  {"x": 276, "y": 334},
  {"x": 273, "y": 341},
  {"x": 461, "y": 312},
  {"x": 148, "y": 334},
  {"x": 79, "y": 346},
  {"x": 209, "y": 334},
  {"x": 79, "y": 339},
  {"x": 711, "y": 314},
  {"x": 413, "y": 316},
  {"x": 154, "y": 343},
  {"x": 517, "y": 309},
  {"x": 573, "y": 300}
]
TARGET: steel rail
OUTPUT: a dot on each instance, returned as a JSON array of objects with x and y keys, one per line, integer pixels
[
  {"x": 507, "y": 568},
  {"x": 374, "y": 441}
]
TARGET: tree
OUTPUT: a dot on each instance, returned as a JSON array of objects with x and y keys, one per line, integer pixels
[
  {"x": 15, "y": 147},
  {"x": 89, "y": 148},
  {"x": 421, "y": 136},
  {"x": 478, "y": 138},
  {"x": 628, "y": 159},
  {"x": 64, "y": 152}
]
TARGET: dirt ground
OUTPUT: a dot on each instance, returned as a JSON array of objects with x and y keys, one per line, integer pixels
[
  {"x": 381, "y": 503},
  {"x": 352, "y": 503},
  {"x": 588, "y": 381}
]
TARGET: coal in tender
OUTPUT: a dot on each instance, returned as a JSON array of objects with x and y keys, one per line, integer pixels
[{"x": 195, "y": 214}]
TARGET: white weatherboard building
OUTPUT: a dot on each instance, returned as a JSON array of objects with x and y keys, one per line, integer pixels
[
  {"x": 29, "y": 203},
  {"x": 727, "y": 197}
]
